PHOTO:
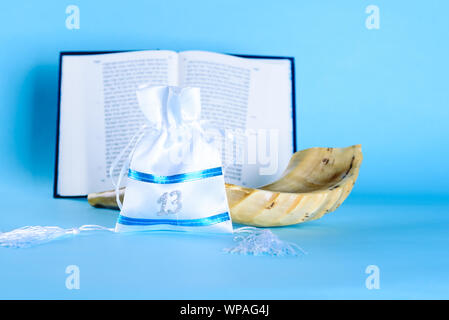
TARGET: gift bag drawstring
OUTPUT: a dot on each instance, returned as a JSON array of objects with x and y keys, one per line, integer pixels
[
  {"x": 258, "y": 241},
  {"x": 33, "y": 235},
  {"x": 133, "y": 142}
]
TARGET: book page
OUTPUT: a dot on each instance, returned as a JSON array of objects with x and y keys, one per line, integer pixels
[
  {"x": 250, "y": 99},
  {"x": 72, "y": 150},
  {"x": 111, "y": 115}
]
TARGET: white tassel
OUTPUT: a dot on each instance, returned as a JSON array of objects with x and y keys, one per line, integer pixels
[
  {"x": 251, "y": 241},
  {"x": 33, "y": 235},
  {"x": 255, "y": 241}
]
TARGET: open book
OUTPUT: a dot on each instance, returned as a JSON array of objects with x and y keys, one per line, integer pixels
[{"x": 250, "y": 97}]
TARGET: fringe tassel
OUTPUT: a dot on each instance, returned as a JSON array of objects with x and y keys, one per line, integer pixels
[
  {"x": 255, "y": 241},
  {"x": 250, "y": 240},
  {"x": 33, "y": 235}
]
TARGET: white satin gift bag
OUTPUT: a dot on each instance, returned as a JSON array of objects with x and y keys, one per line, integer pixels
[{"x": 175, "y": 178}]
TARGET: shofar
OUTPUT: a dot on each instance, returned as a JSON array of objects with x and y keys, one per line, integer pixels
[{"x": 316, "y": 182}]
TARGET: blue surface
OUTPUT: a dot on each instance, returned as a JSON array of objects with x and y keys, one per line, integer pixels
[
  {"x": 407, "y": 240},
  {"x": 386, "y": 89}
]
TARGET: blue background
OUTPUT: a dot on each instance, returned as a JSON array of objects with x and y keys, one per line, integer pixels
[{"x": 386, "y": 89}]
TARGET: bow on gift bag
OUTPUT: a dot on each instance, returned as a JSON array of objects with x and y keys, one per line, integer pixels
[{"x": 174, "y": 180}]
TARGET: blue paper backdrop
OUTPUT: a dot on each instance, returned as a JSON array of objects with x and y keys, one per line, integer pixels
[{"x": 386, "y": 89}]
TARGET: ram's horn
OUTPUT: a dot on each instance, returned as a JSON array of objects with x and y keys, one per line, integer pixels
[{"x": 316, "y": 182}]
